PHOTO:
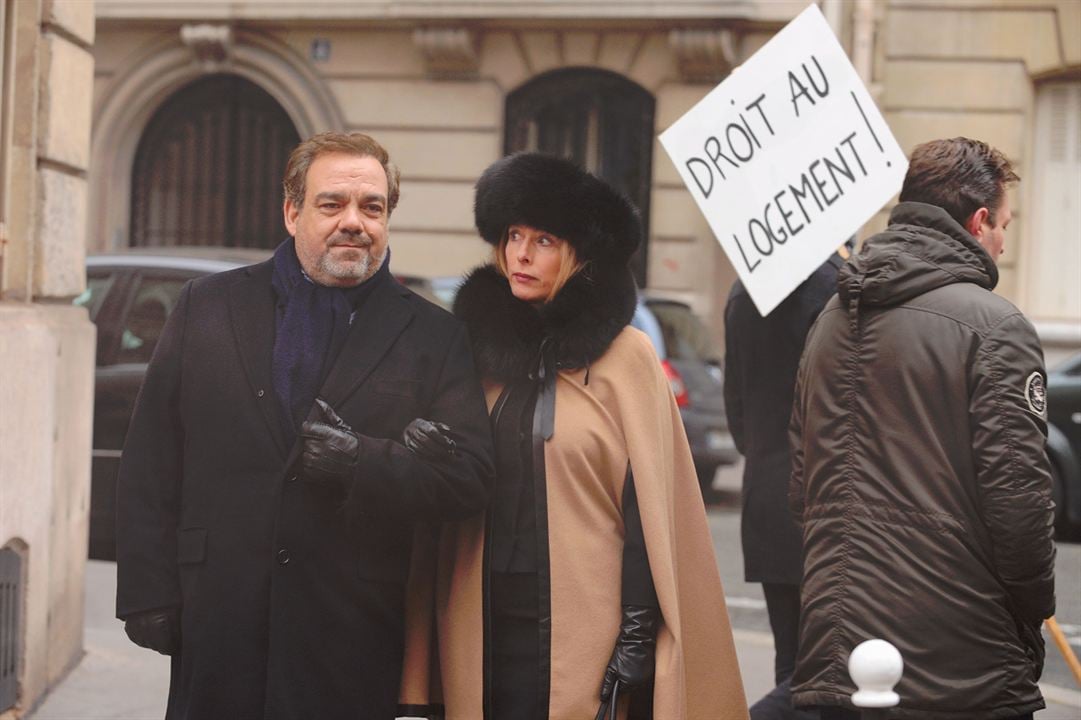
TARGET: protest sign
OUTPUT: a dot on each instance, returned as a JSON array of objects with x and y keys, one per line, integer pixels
[{"x": 787, "y": 158}]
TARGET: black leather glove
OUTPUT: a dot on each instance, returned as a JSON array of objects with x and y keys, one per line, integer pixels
[
  {"x": 632, "y": 660},
  {"x": 330, "y": 448},
  {"x": 155, "y": 630},
  {"x": 429, "y": 440}
]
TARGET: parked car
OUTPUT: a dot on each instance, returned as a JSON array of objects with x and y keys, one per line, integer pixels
[
  {"x": 129, "y": 296},
  {"x": 691, "y": 361},
  {"x": 1064, "y": 442}
]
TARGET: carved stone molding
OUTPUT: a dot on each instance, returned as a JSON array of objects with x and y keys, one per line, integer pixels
[
  {"x": 448, "y": 52},
  {"x": 211, "y": 44},
  {"x": 704, "y": 55}
]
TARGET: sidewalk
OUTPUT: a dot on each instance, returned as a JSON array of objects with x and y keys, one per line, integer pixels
[{"x": 118, "y": 681}]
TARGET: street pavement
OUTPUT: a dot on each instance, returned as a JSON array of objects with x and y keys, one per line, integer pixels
[{"x": 118, "y": 681}]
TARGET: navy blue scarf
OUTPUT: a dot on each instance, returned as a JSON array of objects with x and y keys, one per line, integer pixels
[{"x": 312, "y": 322}]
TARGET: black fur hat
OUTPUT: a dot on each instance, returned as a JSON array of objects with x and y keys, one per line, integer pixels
[{"x": 555, "y": 195}]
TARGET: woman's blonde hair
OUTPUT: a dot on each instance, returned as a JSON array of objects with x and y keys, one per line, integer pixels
[{"x": 569, "y": 265}]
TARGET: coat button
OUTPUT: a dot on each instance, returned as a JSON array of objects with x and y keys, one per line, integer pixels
[
  {"x": 291, "y": 479},
  {"x": 261, "y": 393},
  {"x": 283, "y": 557}
]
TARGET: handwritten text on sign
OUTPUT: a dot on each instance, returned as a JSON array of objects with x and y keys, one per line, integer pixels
[{"x": 787, "y": 158}]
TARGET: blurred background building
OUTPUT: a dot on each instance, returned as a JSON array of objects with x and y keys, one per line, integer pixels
[
  {"x": 181, "y": 136},
  {"x": 196, "y": 104}
]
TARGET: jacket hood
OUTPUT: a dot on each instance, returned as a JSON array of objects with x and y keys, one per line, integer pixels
[
  {"x": 922, "y": 249},
  {"x": 574, "y": 329}
]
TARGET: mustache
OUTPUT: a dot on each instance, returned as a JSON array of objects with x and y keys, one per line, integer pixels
[{"x": 339, "y": 239}]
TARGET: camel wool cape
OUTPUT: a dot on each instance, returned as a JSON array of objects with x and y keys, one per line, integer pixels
[{"x": 617, "y": 411}]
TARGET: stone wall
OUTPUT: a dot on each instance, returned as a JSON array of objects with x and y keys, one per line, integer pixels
[
  {"x": 973, "y": 69},
  {"x": 433, "y": 90},
  {"x": 46, "y": 344}
]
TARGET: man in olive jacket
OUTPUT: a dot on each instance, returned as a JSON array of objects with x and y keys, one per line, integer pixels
[
  {"x": 919, "y": 470},
  {"x": 266, "y": 503}
]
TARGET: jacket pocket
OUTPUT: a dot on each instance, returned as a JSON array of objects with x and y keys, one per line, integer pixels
[{"x": 191, "y": 546}]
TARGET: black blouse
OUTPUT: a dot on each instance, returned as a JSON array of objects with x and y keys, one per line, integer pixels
[{"x": 514, "y": 534}]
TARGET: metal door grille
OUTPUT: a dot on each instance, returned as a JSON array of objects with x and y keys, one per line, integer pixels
[
  {"x": 209, "y": 165},
  {"x": 11, "y": 597}
]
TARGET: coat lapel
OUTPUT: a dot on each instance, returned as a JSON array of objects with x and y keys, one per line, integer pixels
[
  {"x": 251, "y": 306},
  {"x": 377, "y": 325}
]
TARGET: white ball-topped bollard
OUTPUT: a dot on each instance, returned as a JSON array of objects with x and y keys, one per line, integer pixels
[{"x": 875, "y": 667}]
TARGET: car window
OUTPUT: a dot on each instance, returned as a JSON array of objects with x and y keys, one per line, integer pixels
[
  {"x": 685, "y": 336},
  {"x": 97, "y": 287},
  {"x": 153, "y": 300}
]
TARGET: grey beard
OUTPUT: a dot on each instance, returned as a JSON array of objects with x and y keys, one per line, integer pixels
[{"x": 358, "y": 270}]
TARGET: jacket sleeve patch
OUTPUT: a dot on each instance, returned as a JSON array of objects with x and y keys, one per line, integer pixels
[{"x": 1036, "y": 393}]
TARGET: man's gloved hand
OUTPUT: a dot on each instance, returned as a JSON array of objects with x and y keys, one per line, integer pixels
[
  {"x": 155, "y": 630},
  {"x": 429, "y": 440},
  {"x": 632, "y": 660},
  {"x": 330, "y": 448}
]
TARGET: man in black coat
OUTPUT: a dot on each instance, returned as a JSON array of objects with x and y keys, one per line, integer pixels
[
  {"x": 266, "y": 506},
  {"x": 761, "y": 358}
]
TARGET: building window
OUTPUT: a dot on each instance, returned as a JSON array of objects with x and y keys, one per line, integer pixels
[
  {"x": 11, "y": 630},
  {"x": 599, "y": 119},
  {"x": 208, "y": 167},
  {"x": 1054, "y": 249}
]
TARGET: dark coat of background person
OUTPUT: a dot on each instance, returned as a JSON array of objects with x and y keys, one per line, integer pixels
[
  {"x": 921, "y": 479},
  {"x": 760, "y": 362},
  {"x": 291, "y": 594}
]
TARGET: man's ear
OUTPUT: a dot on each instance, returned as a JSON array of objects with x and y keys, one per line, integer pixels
[
  {"x": 976, "y": 221},
  {"x": 290, "y": 212}
]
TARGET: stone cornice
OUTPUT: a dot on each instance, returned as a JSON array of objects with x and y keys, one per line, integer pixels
[
  {"x": 382, "y": 10},
  {"x": 449, "y": 52},
  {"x": 211, "y": 44},
  {"x": 704, "y": 55}
]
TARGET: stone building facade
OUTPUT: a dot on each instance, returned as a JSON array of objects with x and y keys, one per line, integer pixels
[
  {"x": 449, "y": 86},
  {"x": 46, "y": 344}
]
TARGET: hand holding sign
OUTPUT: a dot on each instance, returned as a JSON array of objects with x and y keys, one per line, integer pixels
[{"x": 787, "y": 158}]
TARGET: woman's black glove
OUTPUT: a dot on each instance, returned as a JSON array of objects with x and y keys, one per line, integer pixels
[
  {"x": 157, "y": 630},
  {"x": 330, "y": 448},
  {"x": 632, "y": 660},
  {"x": 429, "y": 440}
]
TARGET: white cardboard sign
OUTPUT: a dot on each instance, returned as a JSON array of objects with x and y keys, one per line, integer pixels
[{"x": 787, "y": 158}]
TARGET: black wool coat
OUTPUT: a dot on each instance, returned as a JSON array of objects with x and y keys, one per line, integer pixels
[
  {"x": 761, "y": 358},
  {"x": 291, "y": 594}
]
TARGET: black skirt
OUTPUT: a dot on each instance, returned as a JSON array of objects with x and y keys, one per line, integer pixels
[{"x": 515, "y": 647}]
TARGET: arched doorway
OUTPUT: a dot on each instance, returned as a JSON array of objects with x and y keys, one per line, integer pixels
[
  {"x": 599, "y": 119},
  {"x": 208, "y": 167}
]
